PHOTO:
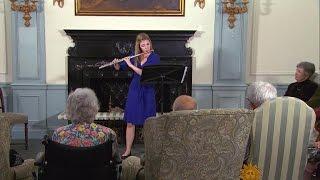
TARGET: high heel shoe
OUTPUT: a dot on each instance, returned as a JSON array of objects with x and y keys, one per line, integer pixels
[{"x": 125, "y": 157}]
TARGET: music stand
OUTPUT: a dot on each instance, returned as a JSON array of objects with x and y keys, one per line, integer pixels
[{"x": 163, "y": 74}]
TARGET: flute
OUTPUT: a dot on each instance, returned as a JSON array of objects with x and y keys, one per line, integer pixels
[{"x": 120, "y": 60}]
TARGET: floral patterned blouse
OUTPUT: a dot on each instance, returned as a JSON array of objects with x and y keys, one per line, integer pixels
[{"x": 86, "y": 135}]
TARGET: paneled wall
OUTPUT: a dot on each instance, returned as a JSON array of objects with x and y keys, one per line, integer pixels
[
  {"x": 210, "y": 96},
  {"x": 228, "y": 89},
  {"x": 28, "y": 91},
  {"x": 42, "y": 104},
  {"x": 43, "y": 108},
  {"x": 265, "y": 45}
]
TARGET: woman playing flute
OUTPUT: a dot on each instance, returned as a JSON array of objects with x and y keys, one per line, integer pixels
[{"x": 141, "y": 102}]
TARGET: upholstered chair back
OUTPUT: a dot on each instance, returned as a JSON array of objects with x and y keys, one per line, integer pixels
[
  {"x": 281, "y": 132},
  {"x": 23, "y": 171},
  {"x": 5, "y": 172},
  {"x": 200, "y": 144}
]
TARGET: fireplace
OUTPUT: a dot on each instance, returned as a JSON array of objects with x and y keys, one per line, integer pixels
[{"x": 94, "y": 47}]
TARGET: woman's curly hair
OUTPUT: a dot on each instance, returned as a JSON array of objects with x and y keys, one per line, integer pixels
[{"x": 82, "y": 105}]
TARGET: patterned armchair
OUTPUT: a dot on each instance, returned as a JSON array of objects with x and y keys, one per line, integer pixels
[
  {"x": 23, "y": 171},
  {"x": 201, "y": 144},
  {"x": 282, "y": 130}
]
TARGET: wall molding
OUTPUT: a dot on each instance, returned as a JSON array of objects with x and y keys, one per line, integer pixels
[
  {"x": 274, "y": 73},
  {"x": 203, "y": 95},
  {"x": 251, "y": 31},
  {"x": 42, "y": 103},
  {"x": 3, "y": 61},
  {"x": 28, "y": 48},
  {"x": 224, "y": 95},
  {"x": 52, "y": 99},
  {"x": 229, "y": 44},
  {"x": 271, "y": 73}
]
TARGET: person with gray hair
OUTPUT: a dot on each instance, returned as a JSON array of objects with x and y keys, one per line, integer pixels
[
  {"x": 184, "y": 102},
  {"x": 304, "y": 88},
  {"x": 256, "y": 94},
  {"x": 81, "y": 108},
  {"x": 259, "y": 92}
]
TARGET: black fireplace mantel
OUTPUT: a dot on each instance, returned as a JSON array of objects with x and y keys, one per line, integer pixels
[
  {"x": 91, "y": 47},
  {"x": 102, "y": 42}
]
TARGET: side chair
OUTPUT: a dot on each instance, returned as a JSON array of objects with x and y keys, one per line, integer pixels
[
  {"x": 15, "y": 118},
  {"x": 20, "y": 172}
]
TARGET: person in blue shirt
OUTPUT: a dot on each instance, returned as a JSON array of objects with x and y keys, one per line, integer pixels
[{"x": 141, "y": 102}]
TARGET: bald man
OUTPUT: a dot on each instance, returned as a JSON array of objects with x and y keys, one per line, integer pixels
[
  {"x": 131, "y": 167},
  {"x": 184, "y": 102}
]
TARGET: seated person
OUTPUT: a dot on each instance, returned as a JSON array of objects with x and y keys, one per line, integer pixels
[
  {"x": 259, "y": 92},
  {"x": 133, "y": 167},
  {"x": 184, "y": 102},
  {"x": 81, "y": 108},
  {"x": 314, "y": 101},
  {"x": 304, "y": 88},
  {"x": 256, "y": 94}
]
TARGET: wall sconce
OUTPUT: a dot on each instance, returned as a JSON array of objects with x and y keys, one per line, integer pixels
[
  {"x": 60, "y": 3},
  {"x": 230, "y": 7},
  {"x": 202, "y": 3},
  {"x": 26, "y": 8}
]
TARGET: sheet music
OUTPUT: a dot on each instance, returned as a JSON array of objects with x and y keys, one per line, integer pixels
[{"x": 184, "y": 74}]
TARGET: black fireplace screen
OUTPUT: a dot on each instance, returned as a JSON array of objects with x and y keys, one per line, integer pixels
[{"x": 112, "y": 93}]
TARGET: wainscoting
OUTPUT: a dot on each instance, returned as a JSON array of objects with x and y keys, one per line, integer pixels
[
  {"x": 43, "y": 103},
  {"x": 224, "y": 96}
]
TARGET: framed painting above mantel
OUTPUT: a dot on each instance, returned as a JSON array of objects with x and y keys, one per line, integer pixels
[{"x": 129, "y": 7}]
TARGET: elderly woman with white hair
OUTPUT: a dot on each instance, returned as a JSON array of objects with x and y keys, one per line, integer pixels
[
  {"x": 256, "y": 94},
  {"x": 304, "y": 88},
  {"x": 259, "y": 92},
  {"x": 82, "y": 107}
]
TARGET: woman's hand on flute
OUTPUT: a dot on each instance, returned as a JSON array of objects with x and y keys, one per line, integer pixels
[
  {"x": 116, "y": 65},
  {"x": 127, "y": 60}
]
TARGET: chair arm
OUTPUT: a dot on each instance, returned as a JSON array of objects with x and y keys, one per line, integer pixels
[
  {"x": 130, "y": 168},
  {"x": 24, "y": 170}
]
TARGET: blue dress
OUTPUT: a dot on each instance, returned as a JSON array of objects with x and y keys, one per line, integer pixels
[{"x": 141, "y": 102}]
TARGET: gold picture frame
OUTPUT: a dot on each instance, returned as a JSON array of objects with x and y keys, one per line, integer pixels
[{"x": 129, "y": 7}]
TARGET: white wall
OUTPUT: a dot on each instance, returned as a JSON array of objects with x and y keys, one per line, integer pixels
[
  {"x": 195, "y": 18},
  {"x": 281, "y": 34}
]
